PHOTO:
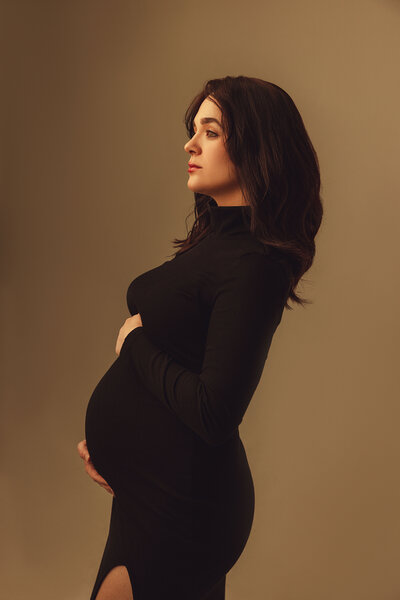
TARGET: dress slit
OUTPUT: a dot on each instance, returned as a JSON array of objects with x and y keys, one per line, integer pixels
[{"x": 100, "y": 580}]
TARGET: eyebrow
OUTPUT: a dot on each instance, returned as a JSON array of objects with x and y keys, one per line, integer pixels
[{"x": 208, "y": 120}]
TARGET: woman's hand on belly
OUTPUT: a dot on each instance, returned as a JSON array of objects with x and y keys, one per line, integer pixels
[
  {"x": 90, "y": 470},
  {"x": 130, "y": 324}
]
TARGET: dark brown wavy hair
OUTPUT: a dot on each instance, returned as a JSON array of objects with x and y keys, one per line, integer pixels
[{"x": 277, "y": 169}]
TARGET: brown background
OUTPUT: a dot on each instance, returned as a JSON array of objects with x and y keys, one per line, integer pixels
[{"x": 93, "y": 187}]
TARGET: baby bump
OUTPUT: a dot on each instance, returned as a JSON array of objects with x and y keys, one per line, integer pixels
[{"x": 131, "y": 433}]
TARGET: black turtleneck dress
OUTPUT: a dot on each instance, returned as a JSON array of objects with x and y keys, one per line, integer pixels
[{"x": 162, "y": 424}]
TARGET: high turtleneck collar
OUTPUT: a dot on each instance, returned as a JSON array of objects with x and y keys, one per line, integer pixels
[{"x": 228, "y": 219}]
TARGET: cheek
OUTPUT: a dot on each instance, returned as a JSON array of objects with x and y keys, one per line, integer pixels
[
  {"x": 224, "y": 164},
  {"x": 220, "y": 157}
]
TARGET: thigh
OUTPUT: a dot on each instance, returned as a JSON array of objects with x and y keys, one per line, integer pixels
[{"x": 116, "y": 585}]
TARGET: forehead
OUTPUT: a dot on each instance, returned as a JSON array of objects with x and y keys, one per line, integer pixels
[{"x": 208, "y": 108}]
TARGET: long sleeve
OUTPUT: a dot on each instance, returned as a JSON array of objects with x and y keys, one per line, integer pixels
[{"x": 246, "y": 311}]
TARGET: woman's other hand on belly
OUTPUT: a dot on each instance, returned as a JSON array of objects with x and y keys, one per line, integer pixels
[
  {"x": 130, "y": 324},
  {"x": 90, "y": 470}
]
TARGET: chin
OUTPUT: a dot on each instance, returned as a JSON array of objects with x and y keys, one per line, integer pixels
[{"x": 195, "y": 188}]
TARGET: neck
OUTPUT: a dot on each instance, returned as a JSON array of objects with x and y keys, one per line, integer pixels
[
  {"x": 229, "y": 218},
  {"x": 230, "y": 195}
]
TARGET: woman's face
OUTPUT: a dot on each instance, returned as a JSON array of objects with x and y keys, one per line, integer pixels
[{"x": 217, "y": 175}]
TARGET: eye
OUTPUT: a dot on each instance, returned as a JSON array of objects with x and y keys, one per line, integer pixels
[{"x": 207, "y": 131}]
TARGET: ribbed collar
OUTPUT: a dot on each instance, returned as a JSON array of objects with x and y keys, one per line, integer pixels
[{"x": 229, "y": 219}]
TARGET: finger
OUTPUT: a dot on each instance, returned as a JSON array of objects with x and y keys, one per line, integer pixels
[
  {"x": 86, "y": 454},
  {"x": 90, "y": 469},
  {"x": 96, "y": 479},
  {"x": 94, "y": 474},
  {"x": 108, "y": 489},
  {"x": 81, "y": 449},
  {"x": 89, "y": 465}
]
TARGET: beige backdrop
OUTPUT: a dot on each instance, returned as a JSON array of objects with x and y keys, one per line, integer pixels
[{"x": 93, "y": 191}]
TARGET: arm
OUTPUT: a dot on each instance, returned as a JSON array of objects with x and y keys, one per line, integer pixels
[{"x": 246, "y": 312}]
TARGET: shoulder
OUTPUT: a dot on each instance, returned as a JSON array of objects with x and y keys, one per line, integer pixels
[
  {"x": 255, "y": 267},
  {"x": 254, "y": 272}
]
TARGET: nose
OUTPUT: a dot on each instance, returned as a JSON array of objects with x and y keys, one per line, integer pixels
[{"x": 190, "y": 146}]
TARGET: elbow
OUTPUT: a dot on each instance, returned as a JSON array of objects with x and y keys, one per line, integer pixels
[{"x": 218, "y": 423}]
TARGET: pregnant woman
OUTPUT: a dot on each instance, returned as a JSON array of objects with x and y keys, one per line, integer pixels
[{"x": 161, "y": 428}]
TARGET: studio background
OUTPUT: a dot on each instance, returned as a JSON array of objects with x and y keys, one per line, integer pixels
[{"x": 93, "y": 188}]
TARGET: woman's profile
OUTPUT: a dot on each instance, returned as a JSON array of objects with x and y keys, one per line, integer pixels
[{"x": 161, "y": 426}]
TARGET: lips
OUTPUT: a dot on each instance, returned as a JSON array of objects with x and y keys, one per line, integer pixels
[{"x": 193, "y": 165}]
